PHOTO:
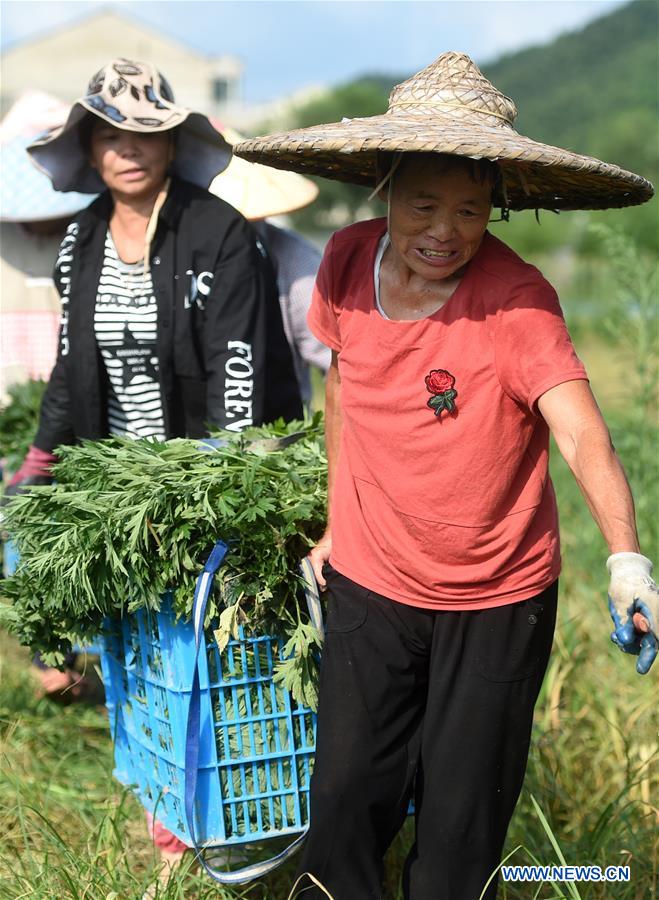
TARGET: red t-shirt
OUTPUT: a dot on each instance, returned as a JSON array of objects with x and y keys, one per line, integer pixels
[{"x": 442, "y": 496}]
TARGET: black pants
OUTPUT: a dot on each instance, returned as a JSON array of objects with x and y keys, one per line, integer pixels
[{"x": 439, "y": 701}]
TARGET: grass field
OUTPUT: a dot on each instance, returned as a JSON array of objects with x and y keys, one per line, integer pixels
[{"x": 69, "y": 831}]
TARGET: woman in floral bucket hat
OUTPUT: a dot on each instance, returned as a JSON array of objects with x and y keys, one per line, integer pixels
[
  {"x": 451, "y": 366},
  {"x": 166, "y": 292},
  {"x": 170, "y": 312}
]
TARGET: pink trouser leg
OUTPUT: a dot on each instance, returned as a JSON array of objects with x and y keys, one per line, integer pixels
[{"x": 163, "y": 839}]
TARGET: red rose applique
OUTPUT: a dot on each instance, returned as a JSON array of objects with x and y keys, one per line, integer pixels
[{"x": 440, "y": 384}]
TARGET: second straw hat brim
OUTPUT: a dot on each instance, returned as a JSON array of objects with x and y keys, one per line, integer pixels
[
  {"x": 535, "y": 175},
  {"x": 260, "y": 191}
]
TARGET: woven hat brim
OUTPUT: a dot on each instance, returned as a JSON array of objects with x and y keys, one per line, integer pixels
[
  {"x": 201, "y": 151},
  {"x": 535, "y": 175},
  {"x": 259, "y": 192}
]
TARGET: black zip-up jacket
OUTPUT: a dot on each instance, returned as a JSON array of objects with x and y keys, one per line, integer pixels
[{"x": 223, "y": 356}]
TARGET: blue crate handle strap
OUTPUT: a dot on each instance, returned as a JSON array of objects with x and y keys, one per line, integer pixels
[{"x": 202, "y": 592}]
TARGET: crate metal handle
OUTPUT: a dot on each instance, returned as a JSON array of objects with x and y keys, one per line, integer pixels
[
  {"x": 202, "y": 592},
  {"x": 312, "y": 595}
]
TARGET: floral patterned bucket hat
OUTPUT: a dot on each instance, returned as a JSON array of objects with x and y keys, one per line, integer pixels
[{"x": 133, "y": 96}]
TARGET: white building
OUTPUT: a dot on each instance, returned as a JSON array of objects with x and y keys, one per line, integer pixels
[{"x": 62, "y": 61}]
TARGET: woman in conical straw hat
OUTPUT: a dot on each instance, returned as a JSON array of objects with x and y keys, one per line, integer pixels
[{"x": 451, "y": 366}]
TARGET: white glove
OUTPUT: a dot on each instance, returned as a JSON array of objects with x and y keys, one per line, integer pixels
[{"x": 633, "y": 594}]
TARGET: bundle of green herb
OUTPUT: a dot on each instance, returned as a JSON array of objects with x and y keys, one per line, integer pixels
[
  {"x": 127, "y": 520},
  {"x": 19, "y": 418}
]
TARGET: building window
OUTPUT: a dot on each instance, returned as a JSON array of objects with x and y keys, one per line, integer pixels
[{"x": 220, "y": 90}]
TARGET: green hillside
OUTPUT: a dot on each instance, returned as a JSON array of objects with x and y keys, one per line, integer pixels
[{"x": 594, "y": 91}]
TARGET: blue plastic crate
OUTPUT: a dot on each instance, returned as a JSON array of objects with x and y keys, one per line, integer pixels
[{"x": 256, "y": 744}]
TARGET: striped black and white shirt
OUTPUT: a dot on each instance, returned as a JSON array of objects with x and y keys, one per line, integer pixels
[{"x": 125, "y": 326}]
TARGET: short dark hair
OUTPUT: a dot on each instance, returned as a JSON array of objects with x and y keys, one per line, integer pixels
[
  {"x": 85, "y": 127},
  {"x": 479, "y": 170}
]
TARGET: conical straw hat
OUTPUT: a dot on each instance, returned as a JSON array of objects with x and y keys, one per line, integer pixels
[
  {"x": 450, "y": 107},
  {"x": 260, "y": 191}
]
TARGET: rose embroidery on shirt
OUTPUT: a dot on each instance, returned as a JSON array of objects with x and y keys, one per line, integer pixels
[{"x": 440, "y": 384}]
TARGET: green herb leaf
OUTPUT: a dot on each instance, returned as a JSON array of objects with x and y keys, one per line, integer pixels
[{"x": 128, "y": 520}]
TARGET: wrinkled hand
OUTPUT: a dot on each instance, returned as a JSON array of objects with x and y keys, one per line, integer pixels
[
  {"x": 319, "y": 555},
  {"x": 634, "y": 607}
]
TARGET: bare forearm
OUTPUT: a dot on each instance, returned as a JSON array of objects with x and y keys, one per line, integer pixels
[
  {"x": 603, "y": 483},
  {"x": 582, "y": 437}
]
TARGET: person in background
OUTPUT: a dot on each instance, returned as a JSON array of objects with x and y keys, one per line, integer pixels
[
  {"x": 262, "y": 194},
  {"x": 296, "y": 261},
  {"x": 33, "y": 220},
  {"x": 451, "y": 367}
]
